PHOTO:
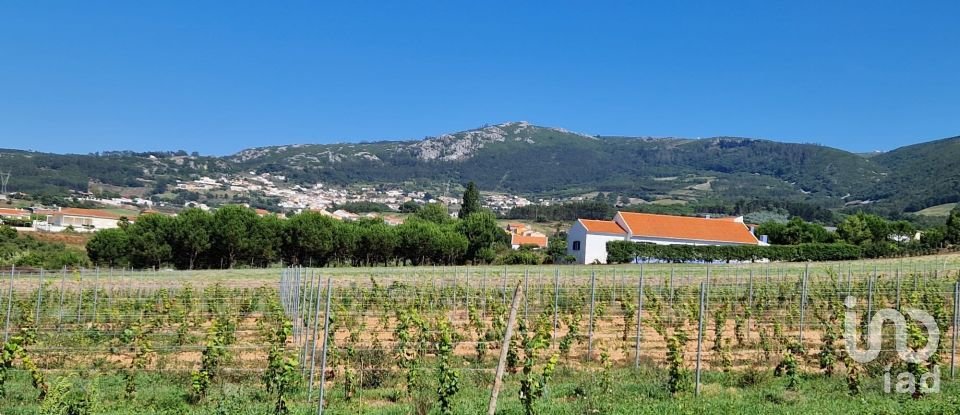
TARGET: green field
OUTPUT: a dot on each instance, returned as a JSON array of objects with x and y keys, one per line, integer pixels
[
  {"x": 938, "y": 210},
  {"x": 250, "y": 277},
  {"x": 630, "y": 391},
  {"x": 175, "y": 342},
  {"x": 129, "y": 213}
]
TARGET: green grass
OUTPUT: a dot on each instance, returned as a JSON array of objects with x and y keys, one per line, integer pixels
[
  {"x": 14, "y": 203},
  {"x": 668, "y": 202},
  {"x": 630, "y": 391},
  {"x": 938, "y": 210},
  {"x": 130, "y": 213}
]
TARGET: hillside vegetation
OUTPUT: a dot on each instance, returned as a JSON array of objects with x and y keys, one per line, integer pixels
[
  {"x": 938, "y": 210},
  {"x": 521, "y": 158},
  {"x": 921, "y": 175}
]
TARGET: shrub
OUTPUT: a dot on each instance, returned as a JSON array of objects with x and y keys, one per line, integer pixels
[
  {"x": 521, "y": 258},
  {"x": 626, "y": 251},
  {"x": 71, "y": 396}
]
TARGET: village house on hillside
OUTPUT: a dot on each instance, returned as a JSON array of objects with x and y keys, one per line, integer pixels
[
  {"x": 521, "y": 235},
  {"x": 344, "y": 215},
  {"x": 587, "y": 239},
  {"x": 263, "y": 213}
]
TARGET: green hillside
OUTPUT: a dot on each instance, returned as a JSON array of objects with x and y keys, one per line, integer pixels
[
  {"x": 45, "y": 173},
  {"x": 531, "y": 160},
  {"x": 921, "y": 175},
  {"x": 938, "y": 210},
  {"x": 527, "y": 159}
]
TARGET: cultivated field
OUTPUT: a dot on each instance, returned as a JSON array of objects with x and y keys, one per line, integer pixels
[
  {"x": 938, "y": 210},
  {"x": 113, "y": 341}
]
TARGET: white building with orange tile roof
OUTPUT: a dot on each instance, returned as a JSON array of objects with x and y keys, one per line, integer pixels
[
  {"x": 587, "y": 239},
  {"x": 518, "y": 240},
  {"x": 521, "y": 234},
  {"x": 18, "y": 214},
  {"x": 82, "y": 219}
]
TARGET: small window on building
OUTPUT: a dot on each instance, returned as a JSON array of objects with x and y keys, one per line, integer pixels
[{"x": 576, "y": 245}]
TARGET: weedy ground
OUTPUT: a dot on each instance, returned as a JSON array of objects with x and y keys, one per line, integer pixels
[{"x": 630, "y": 391}]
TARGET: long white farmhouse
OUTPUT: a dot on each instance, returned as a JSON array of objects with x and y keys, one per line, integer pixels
[
  {"x": 587, "y": 239},
  {"x": 14, "y": 214},
  {"x": 82, "y": 220}
]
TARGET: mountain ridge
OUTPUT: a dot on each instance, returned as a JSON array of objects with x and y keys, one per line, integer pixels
[{"x": 523, "y": 158}]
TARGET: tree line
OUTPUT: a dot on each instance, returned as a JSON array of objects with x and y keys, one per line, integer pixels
[
  {"x": 626, "y": 251},
  {"x": 236, "y": 236},
  {"x": 589, "y": 209},
  {"x": 877, "y": 237}
]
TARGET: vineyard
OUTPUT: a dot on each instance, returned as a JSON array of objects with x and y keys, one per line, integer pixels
[{"x": 625, "y": 339}]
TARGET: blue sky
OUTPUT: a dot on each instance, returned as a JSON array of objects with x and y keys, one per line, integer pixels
[{"x": 217, "y": 77}]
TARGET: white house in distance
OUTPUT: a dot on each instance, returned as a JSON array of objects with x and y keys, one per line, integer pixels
[
  {"x": 82, "y": 219},
  {"x": 344, "y": 215},
  {"x": 587, "y": 239}
]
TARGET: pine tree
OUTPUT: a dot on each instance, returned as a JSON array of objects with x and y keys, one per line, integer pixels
[
  {"x": 471, "y": 201},
  {"x": 953, "y": 226}
]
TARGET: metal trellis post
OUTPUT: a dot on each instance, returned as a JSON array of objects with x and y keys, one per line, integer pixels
[
  {"x": 323, "y": 358},
  {"x": 556, "y": 301},
  {"x": 703, "y": 301},
  {"x": 636, "y": 361},
  {"x": 6, "y": 326},
  {"x": 316, "y": 322},
  {"x": 593, "y": 295},
  {"x": 63, "y": 282}
]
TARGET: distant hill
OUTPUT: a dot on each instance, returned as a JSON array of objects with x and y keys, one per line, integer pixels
[
  {"x": 34, "y": 172},
  {"x": 920, "y": 176},
  {"x": 522, "y": 158}
]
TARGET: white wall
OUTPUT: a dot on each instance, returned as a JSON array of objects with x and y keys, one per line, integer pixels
[
  {"x": 577, "y": 233},
  {"x": 596, "y": 247},
  {"x": 80, "y": 222},
  {"x": 593, "y": 246}
]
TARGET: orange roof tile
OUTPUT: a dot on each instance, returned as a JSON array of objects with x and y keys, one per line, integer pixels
[
  {"x": 602, "y": 226},
  {"x": 13, "y": 212},
  {"x": 540, "y": 241},
  {"x": 730, "y": 219},
  {"x": 90, "y": 213},
  {"x": 685, "y": 227}
]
